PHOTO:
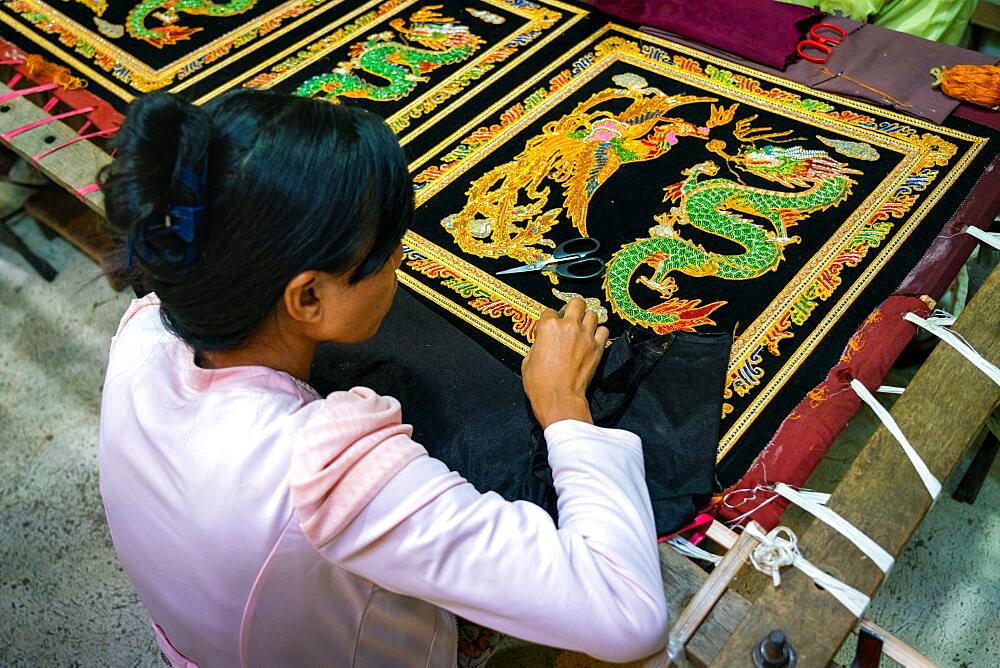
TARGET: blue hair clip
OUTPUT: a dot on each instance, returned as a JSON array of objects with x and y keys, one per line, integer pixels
[{"x": 180, "y": 222}]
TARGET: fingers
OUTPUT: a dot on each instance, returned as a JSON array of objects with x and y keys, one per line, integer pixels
[
  {"x": 601, "y": 337},
  {"x": 575, "y": 309},
  {"x": 560, "y": 365},
  {"x": 548, "y": 314}
]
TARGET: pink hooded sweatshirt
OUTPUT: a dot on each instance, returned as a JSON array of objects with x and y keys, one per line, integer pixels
[{"x": 263, "y": 525}]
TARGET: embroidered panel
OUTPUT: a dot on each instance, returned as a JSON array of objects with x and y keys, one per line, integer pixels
[
  {"x": 128, "y": 48},
  {"x": 415, "y": 63},
  {"x": 723, "y": 199},
  {"x": 405, "y": 59}
]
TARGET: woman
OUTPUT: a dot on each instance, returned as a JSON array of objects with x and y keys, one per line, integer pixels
[{"x": 262, "y": 524}]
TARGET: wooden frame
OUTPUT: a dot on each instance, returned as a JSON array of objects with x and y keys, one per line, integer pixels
[
  {"x": 880, "y": 494},
  {"x": 74, "y": 167}
]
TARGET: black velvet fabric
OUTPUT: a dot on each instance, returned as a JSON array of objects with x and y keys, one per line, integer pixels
[{"x": 469, "y": 410}]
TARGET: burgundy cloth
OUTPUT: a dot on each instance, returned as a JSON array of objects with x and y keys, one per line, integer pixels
[
  {"x": 805, "y": 435},
  {"x": 761, "y": 31},
  {"x": 970, "y": 112},
  {"x": 949, "y": 251}
]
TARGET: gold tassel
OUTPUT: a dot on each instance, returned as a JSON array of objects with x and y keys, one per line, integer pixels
[
  {"x": 37, "y": 66},
  {"x": 978, "y": 84}
]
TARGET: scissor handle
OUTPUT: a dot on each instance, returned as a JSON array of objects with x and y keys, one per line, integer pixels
[
  {"x": 577, "y": 247},
  {"x": 820, "y": 42},
  {"x": 587, "y": 267},
  {"x": 828, "y": 26},
  {"x": 800, "y": 49}
]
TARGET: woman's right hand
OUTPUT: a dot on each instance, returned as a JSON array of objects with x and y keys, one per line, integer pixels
[{"x": 560, "y": 365}]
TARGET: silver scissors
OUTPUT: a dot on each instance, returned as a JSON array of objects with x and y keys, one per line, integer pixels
[{"x": 571, "y": 260}]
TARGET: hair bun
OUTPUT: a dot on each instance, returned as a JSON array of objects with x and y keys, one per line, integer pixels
[{"x": 160, "y": 167}]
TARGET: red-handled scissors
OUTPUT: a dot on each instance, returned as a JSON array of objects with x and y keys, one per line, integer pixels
[{"x": 821, "y": 43}]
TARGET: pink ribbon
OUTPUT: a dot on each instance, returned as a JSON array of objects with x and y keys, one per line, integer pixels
[
  {"x": 89, "y": 135},
  {"x": 699, "y": 522},
  {"x": 26, "y": 91},
  {"x": 7, "y": 136}
]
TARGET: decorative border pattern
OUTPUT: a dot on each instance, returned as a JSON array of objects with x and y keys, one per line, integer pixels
[
  {"x": 124, "y": 67},
  {"x": 540, "y": 20},
  {"x": 485, "y": 295},
  {"x": 923, "y": 148}
]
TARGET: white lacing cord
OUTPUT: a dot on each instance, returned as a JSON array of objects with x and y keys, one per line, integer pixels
[
  {"x": 872, "y": 550},
  {"x": 688, "y": 549},
  {"x": 936, "y": 325},
  {"x": 774, "y": 552},
  {"x": 889, "y": 389},
  {"x": 989, "y": 238},
  {"x": 930, "y": 482}
]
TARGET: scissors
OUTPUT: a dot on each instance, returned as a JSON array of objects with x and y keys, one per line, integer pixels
[
  {"x": 570, "y": 259},
  {"x": 821, "y": 43}
]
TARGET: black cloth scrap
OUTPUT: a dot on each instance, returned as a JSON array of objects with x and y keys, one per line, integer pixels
[
  {"x": 469, "y": 410},
  {"x": 668, "y": 390}
]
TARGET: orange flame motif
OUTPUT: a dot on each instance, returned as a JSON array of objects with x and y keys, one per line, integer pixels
[{"x": 690, "y": 314}]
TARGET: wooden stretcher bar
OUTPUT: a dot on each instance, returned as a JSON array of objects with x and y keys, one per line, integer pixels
[
  {"x": 942, "y": 412},
  {"x": 892, "y": 647},
  {"x": 74, "y": 167}
]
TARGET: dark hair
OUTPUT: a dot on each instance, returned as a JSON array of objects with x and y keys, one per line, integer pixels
[{"x": 288, "y": 184}]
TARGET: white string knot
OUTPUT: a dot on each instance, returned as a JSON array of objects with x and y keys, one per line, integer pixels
[{"x": 775, "y": 552}]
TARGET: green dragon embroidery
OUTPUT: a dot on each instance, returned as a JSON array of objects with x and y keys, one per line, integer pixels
[
  {"x": 169, "y": 33},
  {"x": 402, "y": 65},
  {"x": 507, "y": 212},
  {"x": 714, "y": 205}
]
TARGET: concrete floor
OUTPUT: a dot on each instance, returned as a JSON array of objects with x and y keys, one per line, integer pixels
[{"x": 65, "y": 601}]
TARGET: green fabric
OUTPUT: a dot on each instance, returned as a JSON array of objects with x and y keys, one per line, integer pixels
[
  {"x": 859, "y": 10},
  {"x": 939, "y": 20}
]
